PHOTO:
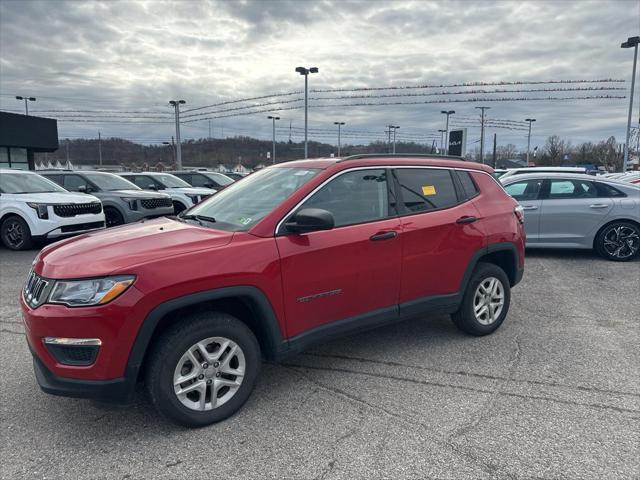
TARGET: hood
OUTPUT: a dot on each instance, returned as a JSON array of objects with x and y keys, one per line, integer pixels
[
  {"x": 51, "y": 197},
  {"x": 113, "y": 250},
  {"x": 193, "y": 190},
  {"x": 139, "y": 193}
]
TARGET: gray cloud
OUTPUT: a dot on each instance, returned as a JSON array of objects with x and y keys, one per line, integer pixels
[{"x": 123, "y": 55}]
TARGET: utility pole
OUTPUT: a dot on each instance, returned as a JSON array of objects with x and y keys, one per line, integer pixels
[
  {"x": 99, "y": 149},
  {"x": 631, "y": 42},
  {"x": 26, "y": 99},
  {"x": 495, "y": 137},
  {"x": 176, "y": 105},
  {"x": 442, "y": 132},
  {"x": 446, "y": 139},
  {"x": 339, "y": 125},
  {"x": 209, "y": 129},
  {"x": 482, "y": 133},
  {"x": 530, "y": 120},
  {"x": 306, "y": 71},
  {"x": 394, "y": 128},
  {"x": 67, "y": 145},
  {"x": 273, "y": 120}
]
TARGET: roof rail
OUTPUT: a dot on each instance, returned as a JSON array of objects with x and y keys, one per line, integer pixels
[{"x": 399, "y": 155}]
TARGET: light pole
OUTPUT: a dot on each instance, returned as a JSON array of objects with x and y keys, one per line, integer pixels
[
  {"x": 306, "y": 71},
  {"x": 394, "y": 128},
  {"x": 442, "y": 132},
  {"x": 26, "y": 99},
  {"x": 273, "y": 120},
  {"x": 482, "y": 109},
  {"x": 447, "y": 113},
  {"x": 530, "y": 120},
  {"x": 173, "y": 149},
  {"x": 631, "y": 42},
  {"x": 176, "y": 105},
  {"x": 339, "y": 125}
]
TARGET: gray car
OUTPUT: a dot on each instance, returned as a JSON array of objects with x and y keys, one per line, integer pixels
[
  {"x": 122, "y": 201},
  {"x": 565, "y": 210}
]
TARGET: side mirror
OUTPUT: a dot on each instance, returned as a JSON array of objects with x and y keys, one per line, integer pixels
[
  {"x": 209, "y": 185},
  {"x": 152, "y": 186},
  {"x": 310, "y": 220},
  {"x": 84, "y": 189}
]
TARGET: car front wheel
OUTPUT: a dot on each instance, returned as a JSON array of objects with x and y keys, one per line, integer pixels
[
  {"x": 619, "y": 241},
  {"x": 485, "y": 302},
  {"x": 15, "y": 233},
  {"x": 203, "y": 370}
]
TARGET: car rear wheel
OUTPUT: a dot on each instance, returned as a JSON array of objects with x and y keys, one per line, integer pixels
[
  {"x": 203, "y": 370},
  {"x": 16, "y": 234},
  {"x": 619, "y": 241},
  {"x": 113, "y": 217},
  {"x": 486, "y": 301}
]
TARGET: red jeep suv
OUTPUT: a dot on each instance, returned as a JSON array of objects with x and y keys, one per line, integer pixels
[{"x": 286, "y": 257}]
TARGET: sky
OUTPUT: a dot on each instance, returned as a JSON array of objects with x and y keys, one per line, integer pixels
[{"x": 112, "y": 66}]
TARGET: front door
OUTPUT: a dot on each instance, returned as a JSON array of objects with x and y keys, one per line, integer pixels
[{"x": 350, "y": 270}]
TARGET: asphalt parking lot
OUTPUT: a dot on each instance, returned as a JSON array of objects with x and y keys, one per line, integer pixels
[{"x": 554, "y": 393}]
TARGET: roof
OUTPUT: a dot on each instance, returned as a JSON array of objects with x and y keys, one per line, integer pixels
[{"x": 568, "y": 175}]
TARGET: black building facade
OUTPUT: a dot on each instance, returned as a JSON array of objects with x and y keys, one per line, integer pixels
[{"x": 23, "y": 135}]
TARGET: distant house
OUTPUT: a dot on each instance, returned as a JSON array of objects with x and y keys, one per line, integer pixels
[
  {"x": 241, "y": 169},
  {"x": 511, "y": 163}
]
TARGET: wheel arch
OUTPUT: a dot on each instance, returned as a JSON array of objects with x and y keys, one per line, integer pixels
[
  {"x": 17, "y": 213},
  {"x": 247, "y": 303},
  {"x": 503, "y": 254}
]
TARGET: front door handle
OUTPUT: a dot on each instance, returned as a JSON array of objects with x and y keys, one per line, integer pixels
[
  {"x": 530, "y": 207},
  {"x": 598, "y": 205},
  {"x": 466, "y": 219},
  {"x": 383, "y": 236}
]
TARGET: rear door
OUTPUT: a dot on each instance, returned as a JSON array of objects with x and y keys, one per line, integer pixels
[
  {"x": 527, "y": 194},
  {"x": 350, "y": 270},
  {"x": 571, "y": 210}
]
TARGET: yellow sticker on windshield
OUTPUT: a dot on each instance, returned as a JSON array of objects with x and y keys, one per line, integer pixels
[{"x": 428, "y": 190}]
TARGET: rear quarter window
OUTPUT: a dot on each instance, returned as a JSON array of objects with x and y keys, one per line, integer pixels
[{"x": 469, "y": 186}]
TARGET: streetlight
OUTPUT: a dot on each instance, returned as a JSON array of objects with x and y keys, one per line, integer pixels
[
  {"x": 530, "y": 120},
  {"x": 26, "y": 99},
  {"x": 273, "y": 120},
  {"x": 442, "y": 132},
  {"x": 482, "y": 109},
  {"x": 631, "y": 42},
  {"x": 339, "y": 125},
  {"x": 306, "y": 71},
  {"x": 447, "y": 113},
  {"x": 176, "y": 105}
]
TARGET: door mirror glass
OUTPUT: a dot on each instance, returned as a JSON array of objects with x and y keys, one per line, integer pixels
[
  {"x": 152, "y": 186},
  {"x": 310, "y": 220}
]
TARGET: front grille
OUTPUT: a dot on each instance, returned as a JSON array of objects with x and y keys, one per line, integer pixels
[
  {"x": 151, "y": 203},
  {"x": 36, "y": 290},
  {"x": 73, "y": 209},
  {"x": 74, "y": 354},
  {"x": 78, "y": 227}
]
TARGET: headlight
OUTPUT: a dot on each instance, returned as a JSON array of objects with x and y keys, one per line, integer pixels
[
  {"x": 41, "y": 208},
  {"x": 95, "y": 291},
  {"x": 133, "y": 204},
  {"x": 194, "y": 198}
]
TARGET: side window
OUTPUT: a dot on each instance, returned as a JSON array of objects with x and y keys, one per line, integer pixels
[
  {"x": 426, "y": 189},
  {"x": 198, "y": 180},
  {"x": 354, "y": 197},
  {"x": 55, "y": 178},
  {"x": 565, "y": 189},
  {"x": 608, "y": 191},
  {"x": 526, "y": 190},
  {"x": 74, "y": 182},
  {"x": 470, "y": 187},
  {"x": 143, "y": 181}
]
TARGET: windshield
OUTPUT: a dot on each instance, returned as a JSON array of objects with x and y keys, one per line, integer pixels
[
  {"x": 27, "y": 183},
  {"x": 108, "y": 181},
  {"x": 219, "y": 178},
  {"x": 170, "y": 181},
  {"x": 241, "y": 205}
]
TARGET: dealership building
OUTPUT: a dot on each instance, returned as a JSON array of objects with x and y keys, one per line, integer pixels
[{"x": 21, "y": 136}]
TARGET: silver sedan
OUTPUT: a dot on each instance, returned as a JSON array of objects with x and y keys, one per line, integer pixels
[{"x": 579, "y": 211}]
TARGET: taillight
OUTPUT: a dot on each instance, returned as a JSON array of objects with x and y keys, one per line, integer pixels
[{"x": 519, "y": 213}]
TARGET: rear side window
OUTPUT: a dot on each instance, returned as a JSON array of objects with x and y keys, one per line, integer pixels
[
  {"x": 566, "y": 189},
  {"x": 424, "y": 189},
  {"x": 469, "y": 186},
  {"x": 608, "y": 191}
]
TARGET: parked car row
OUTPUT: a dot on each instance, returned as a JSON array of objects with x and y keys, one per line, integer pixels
[
  {"x": 630, "y": 177},
  {"x": 52, "y": 203}
]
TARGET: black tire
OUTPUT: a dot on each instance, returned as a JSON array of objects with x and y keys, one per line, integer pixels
[
  {"x": 178, "y": 208},
  {"x": 168, "y": 351},
  {"x": 630, "y": 233},
  {"x": 465, "y": 318},
  {"x": 15, "y": 233},
  {"x": 113, "y": 217}
]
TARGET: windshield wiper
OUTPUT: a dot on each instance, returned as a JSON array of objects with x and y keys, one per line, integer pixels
[{"x": 199, "y": 218}]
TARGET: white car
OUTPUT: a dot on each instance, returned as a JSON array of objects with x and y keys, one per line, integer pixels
[
  {"x": 183, "y": 195},
  {"x": 523, "y": 170},
  {"x": 32, "y": 207}
]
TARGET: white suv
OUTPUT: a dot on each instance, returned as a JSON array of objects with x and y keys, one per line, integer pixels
[{"x": 32, "y": 207}]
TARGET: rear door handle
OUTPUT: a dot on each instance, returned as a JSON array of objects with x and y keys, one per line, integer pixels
[
  {"x": 530, "y": 207},
  {"x": 598, "y": 205},
  {"x": 466, "y": 219},
  {"x": 383, "y": 236}
]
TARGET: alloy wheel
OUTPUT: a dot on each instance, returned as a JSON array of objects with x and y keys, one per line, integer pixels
[
  {"x": 488, "y": 300},
  {"x": 14, "y": 234},
  {"x": 621, "y": 241},
  {"x": 209, "y": 373}
]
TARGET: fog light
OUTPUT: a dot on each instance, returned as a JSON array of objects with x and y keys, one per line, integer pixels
[{"x": 73, "y": 351}]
